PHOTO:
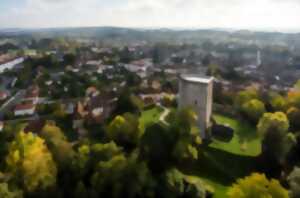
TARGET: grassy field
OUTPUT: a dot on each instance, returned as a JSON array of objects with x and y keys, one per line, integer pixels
[
  {"x": 150, "y": 116},
  {"x": 244, "y": 142},
  {"x": 221, "y": 163}
]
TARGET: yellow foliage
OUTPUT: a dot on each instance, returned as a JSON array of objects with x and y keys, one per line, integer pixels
[
  {"x": 257, "y": 186},
  {"x": 29, "y": 157}
]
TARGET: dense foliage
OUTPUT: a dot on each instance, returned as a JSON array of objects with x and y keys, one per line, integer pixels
[{"x": 257, "y": 185}]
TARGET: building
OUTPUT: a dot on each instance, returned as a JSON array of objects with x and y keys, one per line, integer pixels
[
  {"x": 24, "y": 109},
  {"x": 3, "y": 95},
  {"x": 196, "y": 92},
  {"x": 11, "y": 64}
]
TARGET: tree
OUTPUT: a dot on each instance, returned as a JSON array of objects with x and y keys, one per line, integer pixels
[
  {"x": 213, "y": 70},
  {"x": 294, "y": 98},
  {"x": 104, "y": 152},
  {"x": 30, "y": 162},
  {"x": 125, "y": 55},
  {"x": 293, "y": 114},
  {"x": 61, "y": 149},
  {"x": 128, "y": 103},
  {"x": 276, "y": 121},
  {"x": 294, "y": 183},
  {"x": 122, "y": 177},
  {"x": 245, "y": 96},
  {"x": 253, "y": 109},
  {"x": 124, "y": 130},
  {"x": 297, "y": 85},
  {"x": 69, "y": 59},
  {"x": 81, "y": 162},
  {"x": 5, "y": 192},
  {"x": 187, "y": 135},
  {"x": 258, "y": 186},
  {"x": 156, "y": 146},
  {"x": 278, "y": 102},
  {"x": 176, "y": 184},
  {"x": 277, "y": 142},
  {"x": 170, "y": 144}
]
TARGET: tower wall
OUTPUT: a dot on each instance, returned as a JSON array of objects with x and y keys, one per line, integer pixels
[{"x": 197, "y": 95}]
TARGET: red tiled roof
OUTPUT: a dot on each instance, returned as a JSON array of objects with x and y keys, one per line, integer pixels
[
  {"x": 3, "y": 94},
  {"x": 32, "y": 95},
  {"x": 21, "y": 107}
]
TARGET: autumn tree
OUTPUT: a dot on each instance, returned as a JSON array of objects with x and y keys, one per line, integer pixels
[
  {"x": 123, "y": 177},
  {"x": 278, "y": 102},
  {"x": 245, "y": 96},
  {"x": 61, "y": 149},
  {"x": 124, "y": 130},
  {"x": 253, "y": 109},
  {"x": 6, "y": 192},
  {"x": 297, "y": 85},
  {"x": 88, "y": 156},
  {"x": 30, "y": 162},
  {"x": 294, "y": 98},
  {"x": 294, "y": 182},
  {"x": 277, "y": 142},
  {"x": 175, "y": 184},
  {"x": 257, "y": 185},
  {"x": 293, "y": 115},
  {"x": 186, "y": 133}
]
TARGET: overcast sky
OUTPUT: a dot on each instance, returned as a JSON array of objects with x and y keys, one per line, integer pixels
[{"x": 238, "y": 14}]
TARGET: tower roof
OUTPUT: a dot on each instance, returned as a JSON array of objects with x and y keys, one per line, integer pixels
[{"x": 196, "y": 78}]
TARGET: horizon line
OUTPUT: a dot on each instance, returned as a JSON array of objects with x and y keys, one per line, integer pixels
[{"x": 225, "y": 29}]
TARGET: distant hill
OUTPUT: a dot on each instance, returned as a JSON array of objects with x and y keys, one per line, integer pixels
[{"x": 157, "y": 35}]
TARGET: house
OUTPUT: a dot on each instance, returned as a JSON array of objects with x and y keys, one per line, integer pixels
[
  {"x": 69, "y": 108},
  {"x": 24, "y": 109},
  {"x": 140, "y": 67},
  {"x": 11, "y": 64},
  {"x": 91, "y": 91},
  {"x": 3, "y": 95},
  {"x": 32, "y": 95}
]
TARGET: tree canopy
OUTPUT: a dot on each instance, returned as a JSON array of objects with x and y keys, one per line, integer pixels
[
  {"x": 258, "y": 186},
  {"x": 31, "y": 162},
  {"x": 254, "y": 109}
]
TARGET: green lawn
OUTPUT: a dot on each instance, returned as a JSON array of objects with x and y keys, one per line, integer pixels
[
  {"x": 150, "y": 116},
  {"x": 222, "y": 163},
  {"x": 219, "y": 169},
  {"x": 244, "y": 142}
]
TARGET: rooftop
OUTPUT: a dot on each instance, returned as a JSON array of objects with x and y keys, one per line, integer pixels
[
  {"x": 196, "y": 78},
  {"x": 22, "y": 107}
]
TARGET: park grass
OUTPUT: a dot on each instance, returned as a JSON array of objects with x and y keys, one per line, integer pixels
[
  {"x": 220, "y": 164},
  {"x": 150, "y": 116},
  {"x": 219, "y": 169},
  {"x": 245, "y": 140}
]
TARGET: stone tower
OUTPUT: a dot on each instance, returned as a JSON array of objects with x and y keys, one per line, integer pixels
[{"x": 196, "y": 92}]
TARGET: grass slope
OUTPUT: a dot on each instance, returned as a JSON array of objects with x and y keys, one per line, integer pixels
[
  {"x": 150, "y": 116},
  {"x": 222, "y": 163},
  {"x": 244, "y": 142}
]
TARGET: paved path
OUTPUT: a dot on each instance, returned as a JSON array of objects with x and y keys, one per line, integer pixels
[{"x": 164, "y": 115}]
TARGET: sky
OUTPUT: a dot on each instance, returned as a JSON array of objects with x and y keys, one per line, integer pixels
[{"x": 237, "y": 14}]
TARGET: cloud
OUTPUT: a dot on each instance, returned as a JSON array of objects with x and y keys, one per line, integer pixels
[{"x": 154, "y": 13}]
